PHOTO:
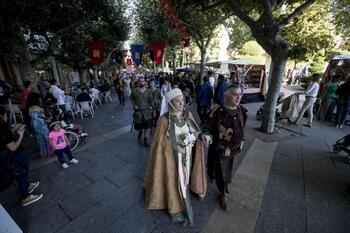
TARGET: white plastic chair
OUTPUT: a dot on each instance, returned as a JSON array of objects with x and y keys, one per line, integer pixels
[
  {"x": 70, "y": 107},
  {"x": 96, "y": 98},
  {"x": 14, "y": 110},
  {"x": 106, "y": 96},
  {"x": 85, "y": 107}
]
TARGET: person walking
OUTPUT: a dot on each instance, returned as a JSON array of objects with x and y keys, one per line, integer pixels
[
  {"x": 119, "y": 88},
  {"x": 310, "y": 98},
  {"x": 157, "y": 100},
  {"x": 176, "y": 163},
  {"x": 219, "y": 91},
  {"x": 141, "y": 99},
  {"x": 343, "y": 103},
  {"x": 14, "y": 163},
  {"x": 226, "y": 125},
  {"x": 204, "y": 99},
  {"x": 329, "y": 99}
]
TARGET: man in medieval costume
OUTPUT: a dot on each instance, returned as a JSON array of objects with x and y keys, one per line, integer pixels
[
  {"x": 176, "y": 164},
  {"x": 141, "y": 99},
  {"x": 157, "y": 99},
  {"x": 226, "y": 124}
]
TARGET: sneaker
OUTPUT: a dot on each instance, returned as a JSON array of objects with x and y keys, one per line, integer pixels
[
  {"x": 33, "y": 186},
  {"x": 31, "y": 199},
  {"x": 75, "y": 161},
  {"x": 341, "y": 126},
  {"x": 64, "y": 165}
]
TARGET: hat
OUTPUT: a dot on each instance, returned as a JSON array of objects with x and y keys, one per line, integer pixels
[
  {"x": 172, "y": 94},
  {"x": 55, "y": 123}
]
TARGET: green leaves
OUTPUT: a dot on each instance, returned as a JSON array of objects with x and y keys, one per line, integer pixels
[
  {"x": 312, "y": 34},
  {"x": 341, "y": 18}
]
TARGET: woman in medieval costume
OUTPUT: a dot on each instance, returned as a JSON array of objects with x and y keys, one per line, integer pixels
[{"x": 176, "y": 164}]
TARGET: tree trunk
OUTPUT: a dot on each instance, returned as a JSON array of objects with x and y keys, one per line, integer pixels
[
  {"x": 202, "y": 69},
  {"x": 277, "y": 72},
  {"x": 83, "y": 76},
  {"x": 21, "y": 48},
  {"x": 174, "y": 61},
  {"x": 96, "y": 75},
  {"x": 55, "y": 70},
  {"x": 163, "y": 60},
  {"x": 154, "y": 67}
]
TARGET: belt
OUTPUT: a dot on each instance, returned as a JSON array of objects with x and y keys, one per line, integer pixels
[{"x": 310, "y": 97}]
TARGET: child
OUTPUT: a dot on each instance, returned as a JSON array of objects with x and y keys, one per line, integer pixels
[{"x": 59, "y": 143}]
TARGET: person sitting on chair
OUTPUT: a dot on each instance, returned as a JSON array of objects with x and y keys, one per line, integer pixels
[{"x": 84, "y": 96}]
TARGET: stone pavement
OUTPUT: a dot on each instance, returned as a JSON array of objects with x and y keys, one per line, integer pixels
[{"x": 299, "y": 186}]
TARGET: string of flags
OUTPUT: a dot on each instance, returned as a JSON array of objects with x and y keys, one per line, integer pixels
[{"x": 96, "y": 48}]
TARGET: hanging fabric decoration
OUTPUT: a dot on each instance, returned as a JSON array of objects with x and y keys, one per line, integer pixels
[
  {"x": 169, "y": 11},
  {"x": 187, "y": 42},
  {"x": 158, "y": 52},
  {"x": 96, "y": 52},
  {"x": 137, "y": 53}
]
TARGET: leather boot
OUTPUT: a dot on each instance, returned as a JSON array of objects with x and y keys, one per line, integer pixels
[
  {"x": 139, "y": 137},
  {"x": 224, "y": 203},
  {"x": 145, "y": 142}
]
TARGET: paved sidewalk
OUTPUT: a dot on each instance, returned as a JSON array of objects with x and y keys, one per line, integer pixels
[{"x": 299, "y": 186}]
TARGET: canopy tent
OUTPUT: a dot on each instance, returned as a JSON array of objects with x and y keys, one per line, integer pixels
[
  {"x": 228, "y": 64},
  {"x": 341, "y": 57},
  {"x": 225, "y": 67},
  {"x": 184, "y": 69}
]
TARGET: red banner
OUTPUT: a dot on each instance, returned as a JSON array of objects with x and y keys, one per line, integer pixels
[
  {"x": 170, "y": 12},
  {"x": 187, "y": 42},
  {"x": 158, "y": 52},
  {"x": 96, "y": 52}
]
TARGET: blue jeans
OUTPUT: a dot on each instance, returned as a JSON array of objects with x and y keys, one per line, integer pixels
[
  {"x": 21, "y": 159},
  {"x": 342, "y": 113},
  {"x": 59, "y": 154}
]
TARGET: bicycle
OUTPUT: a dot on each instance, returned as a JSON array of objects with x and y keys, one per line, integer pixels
[{"x": 73, "y": 139}]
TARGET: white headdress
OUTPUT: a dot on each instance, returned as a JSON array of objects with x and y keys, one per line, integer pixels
[{"x": 170, "y": 95}]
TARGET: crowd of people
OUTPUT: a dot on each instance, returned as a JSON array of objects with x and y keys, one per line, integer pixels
[
  {"x": 334, "y": 95},
  {"x": 177, "y": 166}
]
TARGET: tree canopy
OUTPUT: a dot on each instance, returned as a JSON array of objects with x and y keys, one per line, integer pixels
[
  {"x": 239, "y": 34},
  {"x": 341, "y": 13},
  {"x": 153, "y": 25},
  {"x": 53, "y": 22},
  {"x": 311, "y": 36}
]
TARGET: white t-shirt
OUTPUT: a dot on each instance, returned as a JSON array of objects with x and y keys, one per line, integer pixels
[
  {"x": 94, "y": 92},
  {"x": 212, "y": 81},
  {"x": 312, "y": 89},
  {"x": 58, "y": 94}
]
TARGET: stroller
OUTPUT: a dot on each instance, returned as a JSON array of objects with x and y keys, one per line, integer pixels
[
  {"x": 260, "y": 112},
  {"x": 343, "y": 144}
]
